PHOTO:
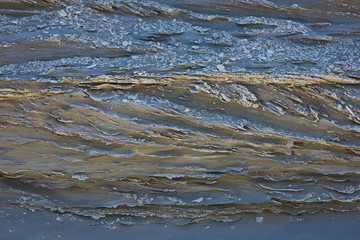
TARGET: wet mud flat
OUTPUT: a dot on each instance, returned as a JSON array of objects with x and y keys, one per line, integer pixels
[{"x": 196, "y": 116}]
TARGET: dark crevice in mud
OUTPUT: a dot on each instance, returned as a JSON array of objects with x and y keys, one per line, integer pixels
[{"x": 53, "y": 50}]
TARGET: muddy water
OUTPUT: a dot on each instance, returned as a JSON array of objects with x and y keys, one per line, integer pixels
[{"x": 151, "y": 111}]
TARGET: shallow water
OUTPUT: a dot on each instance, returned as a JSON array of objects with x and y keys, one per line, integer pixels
[{"x": 160, "y": 111}]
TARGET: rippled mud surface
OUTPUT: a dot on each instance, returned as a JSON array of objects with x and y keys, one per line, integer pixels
[{"x": 152, "y": 111}]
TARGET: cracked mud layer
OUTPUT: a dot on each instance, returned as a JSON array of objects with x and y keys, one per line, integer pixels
[{"x": 155, "y": 111}]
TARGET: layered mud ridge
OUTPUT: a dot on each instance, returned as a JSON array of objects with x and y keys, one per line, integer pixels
[
  {"x": 181, "y": 147},
  {"x": 156, "y": 111}
]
